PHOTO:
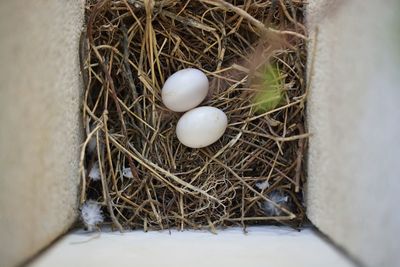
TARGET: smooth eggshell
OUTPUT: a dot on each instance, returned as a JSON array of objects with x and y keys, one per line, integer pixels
[
  {"x": 201, "y": 126},
  {"x": 184, "y": 90}
]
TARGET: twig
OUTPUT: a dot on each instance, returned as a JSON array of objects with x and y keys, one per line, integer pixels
[{"x": 149, "y": 180}]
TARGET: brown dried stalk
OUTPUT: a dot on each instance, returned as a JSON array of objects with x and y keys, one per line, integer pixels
[{"x": 148, "y": 179}]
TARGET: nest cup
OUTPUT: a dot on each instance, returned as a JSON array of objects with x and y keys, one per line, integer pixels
[{"x": 253, "y": 53}]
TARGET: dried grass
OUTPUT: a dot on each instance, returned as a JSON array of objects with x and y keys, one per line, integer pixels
[{"x": 127, "y": 52}]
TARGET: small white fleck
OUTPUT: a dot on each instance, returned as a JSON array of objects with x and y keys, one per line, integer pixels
[
  {"x": 127, "y": 172},
  {"x": 278, "y": 198},
  {"x": 262, "y": 185},
  {"x": 92, "y": 144},
  {"x": 91, "y": 214},
  {"x": 94, "y": 173}
]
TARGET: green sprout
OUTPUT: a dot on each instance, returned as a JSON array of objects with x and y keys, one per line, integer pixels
[{"x": 270, "y": 90}]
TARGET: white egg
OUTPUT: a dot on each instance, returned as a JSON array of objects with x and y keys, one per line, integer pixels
[
  {"x": 185, "y": 89},
  {"x": 201, "y": 126}
]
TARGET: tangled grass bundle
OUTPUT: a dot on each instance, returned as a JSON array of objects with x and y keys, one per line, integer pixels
[{"x": 253, "y": 53}]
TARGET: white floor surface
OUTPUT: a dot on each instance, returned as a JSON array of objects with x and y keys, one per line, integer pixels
[{"x": 261, "y": 246}]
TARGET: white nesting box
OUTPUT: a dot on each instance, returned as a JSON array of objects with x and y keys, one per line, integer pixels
[{"x": 354, "y": 174}]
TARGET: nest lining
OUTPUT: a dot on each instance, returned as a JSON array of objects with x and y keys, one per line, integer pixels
[{"x": 253, "y": 53}]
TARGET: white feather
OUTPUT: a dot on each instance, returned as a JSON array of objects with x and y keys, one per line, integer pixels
[
  {"x": 262, "y": 185},
  {"x": 94, "y": 173},
  {"x": 276, "y": 197},
  {"x": 92, "y": 144},
  {"x": 127, "y": 172},
  {"x": 91, "y": 214}
]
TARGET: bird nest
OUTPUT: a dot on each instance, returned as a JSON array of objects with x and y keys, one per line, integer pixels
[{"x": 133, "y": 166}]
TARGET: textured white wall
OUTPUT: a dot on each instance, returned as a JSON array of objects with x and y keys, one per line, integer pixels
[
  {"x": 354, "y": 116},
  {"x": 39, "y": 123}
]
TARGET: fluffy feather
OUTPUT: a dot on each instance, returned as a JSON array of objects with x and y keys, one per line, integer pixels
[
  {"x": 278, "y": 198},
  {"x": 262, "y": 185},
  {"x": 94, "y": 173},
  {"x": 126, "y": 172},
  {"x": 91, "y": 214}
]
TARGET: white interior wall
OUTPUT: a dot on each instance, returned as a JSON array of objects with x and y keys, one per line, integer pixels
[
  {"x": 354, "y": 119},
  {"x": 39, "y": 123}
]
